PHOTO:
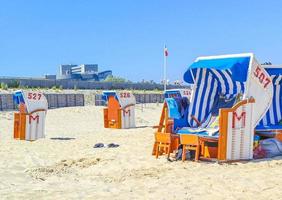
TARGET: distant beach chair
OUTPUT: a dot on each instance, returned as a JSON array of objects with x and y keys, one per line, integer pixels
[
  {"x": 120, "y": 111},
  {"x": 29, "y": 122}
]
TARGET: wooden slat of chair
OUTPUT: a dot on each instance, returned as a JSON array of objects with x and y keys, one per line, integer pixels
[
  {"x": 190, "y": 142},
  {"x": 165, "y": 123},
  {"x": 162, "y": 118},
  {"x": 165, "y": 129},
  {"x": 162, "y": 140}
]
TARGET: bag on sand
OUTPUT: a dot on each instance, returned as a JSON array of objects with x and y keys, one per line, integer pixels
[
  {"x": 259, "y": 153},
  {"x": 271, "y": 147}
]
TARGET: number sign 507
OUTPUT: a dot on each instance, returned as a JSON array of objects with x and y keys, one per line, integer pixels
[
  {"x": 262, "y": 77},
  {"x": 34, "y": 96}
]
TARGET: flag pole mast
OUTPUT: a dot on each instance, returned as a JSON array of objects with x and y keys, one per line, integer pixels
[{"x": 165, "y": 63}]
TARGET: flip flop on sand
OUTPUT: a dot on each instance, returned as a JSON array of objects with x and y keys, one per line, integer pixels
[
  {"x": 99, "y": 145},
  {"x": 112, "y": 145}
]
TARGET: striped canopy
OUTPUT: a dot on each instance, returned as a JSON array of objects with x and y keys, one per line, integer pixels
[
  {"x": 215, "y": 79},
  {"x": 274, "y": 113},
  {"x": 237, "y": 67}
]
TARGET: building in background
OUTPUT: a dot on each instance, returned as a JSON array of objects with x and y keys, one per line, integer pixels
[
  {"x": 87, "y": 72},
  {"x": 103, "y": 75},
  {"x": 85, "y": 69},
  {"x": 66, "y": 69},
  {"x": 50, "y": 77}
]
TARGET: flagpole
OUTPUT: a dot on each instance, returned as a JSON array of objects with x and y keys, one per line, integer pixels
[{"x": 165, "y": 63}]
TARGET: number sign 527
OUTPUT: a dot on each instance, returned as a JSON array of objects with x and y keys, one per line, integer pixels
[
  {"x": 34, "y": 96},
  {"x": 262, "y": 77}
]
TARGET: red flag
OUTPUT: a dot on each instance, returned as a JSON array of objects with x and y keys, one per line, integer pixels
[{"x": 165, "y": 51}]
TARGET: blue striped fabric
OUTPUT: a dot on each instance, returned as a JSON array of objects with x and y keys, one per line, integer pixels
[
  {"x": 209, "y": 85},
  {"x": 274, "y": 113}
]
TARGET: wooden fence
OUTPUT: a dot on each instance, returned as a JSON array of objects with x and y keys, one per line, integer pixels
[
  {"x": 140, "y": 98},
  {"x": 72, "y": 100},
  {"x": 54, "y": 101}
]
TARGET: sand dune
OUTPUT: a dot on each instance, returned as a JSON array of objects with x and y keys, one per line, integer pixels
[{"x": 65, "y": 165}]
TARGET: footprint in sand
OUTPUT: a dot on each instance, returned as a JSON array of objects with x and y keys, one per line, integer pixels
[{"x": 61, "y": 168}]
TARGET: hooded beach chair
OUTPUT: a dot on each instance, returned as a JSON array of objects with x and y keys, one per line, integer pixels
[
  {"x": 29, "y": 122},
  {"x": 226, "y": 77},
  {"x": 230, "y": 76},
  {"x": 271, "y": 124},
  {"x": 120, "y": 111}
]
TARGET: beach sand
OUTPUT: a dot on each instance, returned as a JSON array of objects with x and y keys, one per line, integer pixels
[{"x": 65, "y": 165}]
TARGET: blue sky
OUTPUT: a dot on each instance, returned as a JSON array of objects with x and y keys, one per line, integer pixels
[{"x": 127, "y": 36}]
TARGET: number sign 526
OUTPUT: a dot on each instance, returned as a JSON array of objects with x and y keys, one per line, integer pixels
[
  {"x": 187, "y": 92},
  {"x": 124, "y": 95},
  {"x": 34, "y": 96},
  {"x": 262, "y": 77}
]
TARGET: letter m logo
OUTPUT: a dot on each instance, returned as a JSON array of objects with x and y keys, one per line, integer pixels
[
  {"x": 34, "y": 118},
  {"x": 125, "y": 112},
  {"x": 237, "y": 118}
]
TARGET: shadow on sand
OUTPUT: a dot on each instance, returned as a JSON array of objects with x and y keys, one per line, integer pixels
[
  {"x": 62, "y": 138},
  {"x": 142, "y": 126}
]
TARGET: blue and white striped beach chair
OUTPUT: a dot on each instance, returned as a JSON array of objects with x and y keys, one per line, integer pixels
[{"x": 271, "y": 122}]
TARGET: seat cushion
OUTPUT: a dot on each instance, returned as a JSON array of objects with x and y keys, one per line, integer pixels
[
  {"x": 205, "y": 132},
  {"x": 268, "y": 127}
]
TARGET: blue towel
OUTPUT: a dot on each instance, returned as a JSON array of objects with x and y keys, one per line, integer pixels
[{"x": 172, "y": 108}]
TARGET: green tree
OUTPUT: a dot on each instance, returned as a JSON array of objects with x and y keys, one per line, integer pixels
[
  {"x": 4, "y": 86},
  {"x": 115, "y": 79},
  {"x": 14, "y": 84}
]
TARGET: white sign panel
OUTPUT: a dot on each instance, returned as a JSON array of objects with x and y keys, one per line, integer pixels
[
  {"x": 35, "y": 126},
  {"x": 259, "y": 86},
  {"x": 126, "y": 98},
  {"x": 34, "y": 100},
  {"x": 127, "y": 103},
  {"x": 240, "y": 133}
]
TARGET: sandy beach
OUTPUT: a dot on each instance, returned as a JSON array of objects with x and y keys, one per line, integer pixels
[{"x": 65, "y": 165}]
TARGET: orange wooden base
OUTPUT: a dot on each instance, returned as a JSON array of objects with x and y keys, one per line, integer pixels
[
  {"x": 208, "y": 151},
  {"x": 278, "y": 136},
  {"x": 174, "y": 145},
  {"x": 106, "y": 121},
  {"x": 19, "y": 126},
  {"x": 112, "y": 121}
]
